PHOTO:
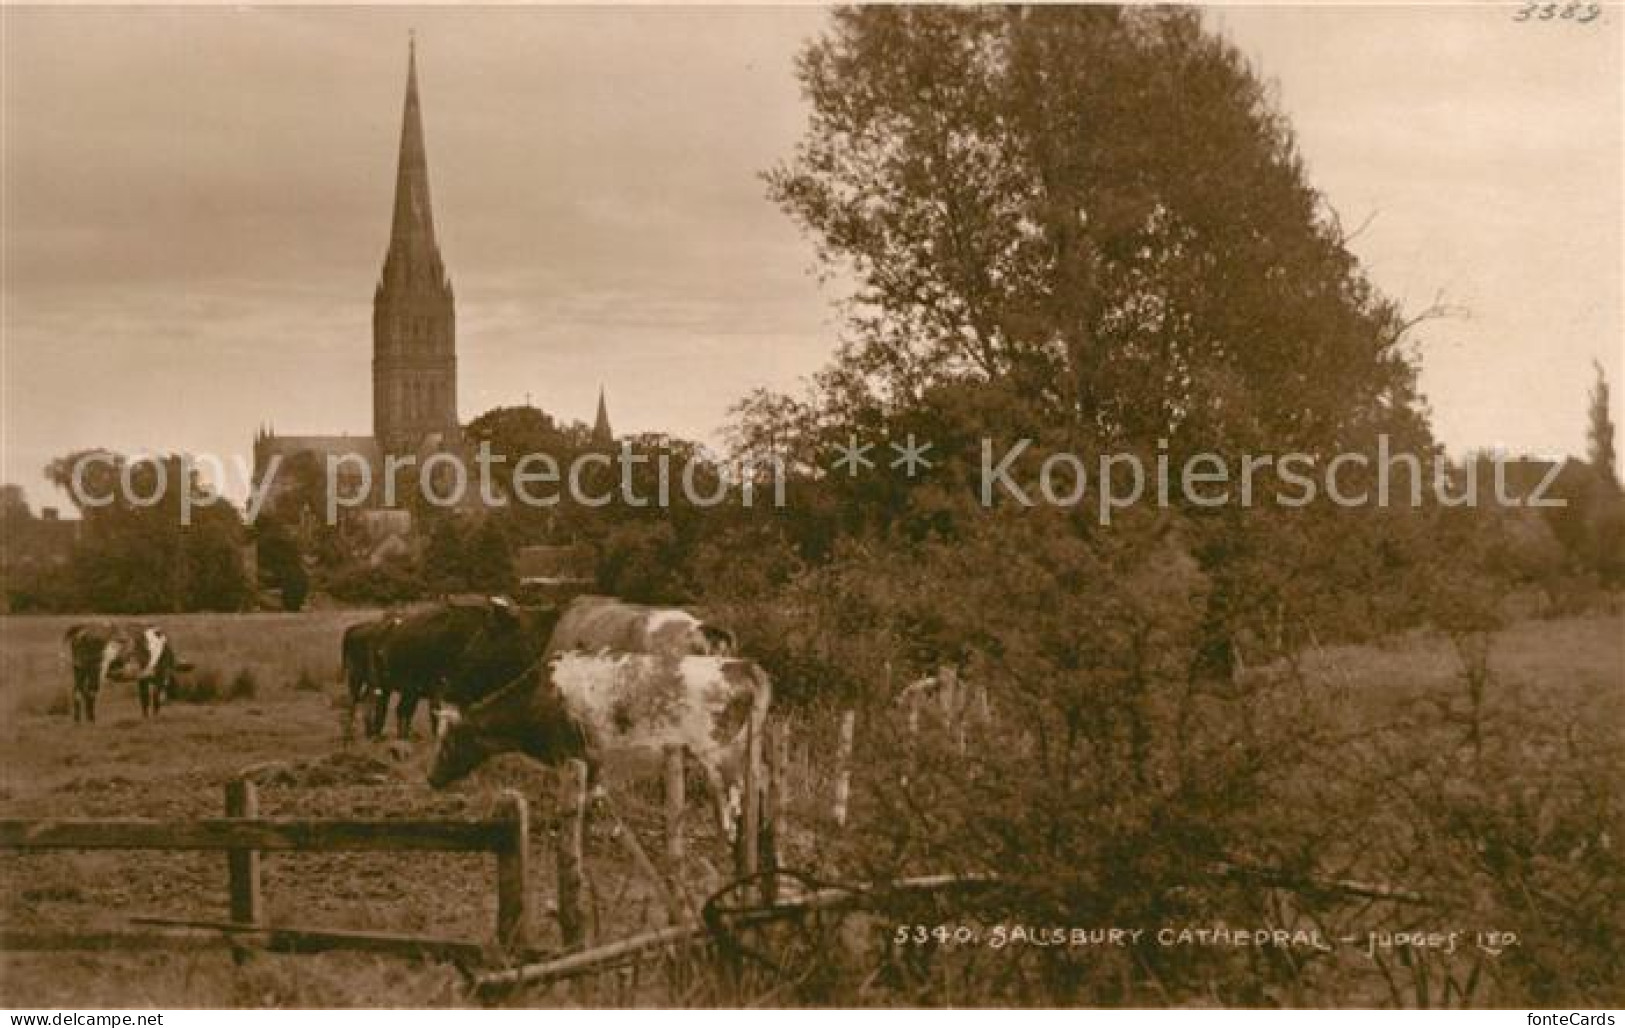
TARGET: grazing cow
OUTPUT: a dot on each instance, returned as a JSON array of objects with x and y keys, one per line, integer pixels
[
  {"x": 512, "y": 641},
  {"x": 458, "y": 651},
  {"x": 359, "y": 665},
  {"x": 152, "y": 655},
  {"x": 595, "y": 623},
  {"x": 623, "y": 706},
  {"x": 103, "y": 652},
  {"x": 94, "y": 651}
]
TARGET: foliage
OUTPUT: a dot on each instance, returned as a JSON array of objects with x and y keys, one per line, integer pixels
[
  {"x": 281, "y": 566},
  {"x": 1600, "y": 430},
  {"x": 135, "y": 553}
]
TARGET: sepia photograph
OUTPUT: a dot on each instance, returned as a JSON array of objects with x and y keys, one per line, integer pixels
[{"x": 878, "y": 507}]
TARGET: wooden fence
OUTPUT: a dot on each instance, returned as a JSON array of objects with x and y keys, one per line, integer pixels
[{"x": 243, "y": 836}]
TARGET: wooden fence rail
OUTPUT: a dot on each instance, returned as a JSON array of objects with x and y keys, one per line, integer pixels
[
  {"x": 245, "y": 836},
  {"x": 266, "y": 834}
]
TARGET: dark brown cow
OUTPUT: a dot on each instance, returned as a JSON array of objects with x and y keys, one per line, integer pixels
[
  {"x": 458, "y": 652},
  {"x": 359, "y": 666}
]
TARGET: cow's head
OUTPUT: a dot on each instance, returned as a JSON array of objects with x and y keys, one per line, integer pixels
[{"x": 458, "y": 750}]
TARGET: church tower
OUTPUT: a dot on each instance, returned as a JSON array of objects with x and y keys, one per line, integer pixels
[{"x": 414, "y": 331}]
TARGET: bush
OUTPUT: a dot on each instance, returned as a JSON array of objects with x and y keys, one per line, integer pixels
[
  {"x": 244, "y": 685},
  {"x": 390, "y": 583},
  {"x": 202, "y": 686},
  {"x": 206, "y": 685}
]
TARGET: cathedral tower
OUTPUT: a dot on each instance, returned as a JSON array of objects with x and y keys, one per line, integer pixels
[{"x": 414, "y": 331}]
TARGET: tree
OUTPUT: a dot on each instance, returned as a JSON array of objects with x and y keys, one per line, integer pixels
[
  {"x": 14, "y": 508},
  {"x": 445, "y": 558},
  {"x": 490, "y": 558},
  {"x": 1098, "y": 205},
  {"x": 513, "y": 434},
  {"x": 137, "y": 552},
  {"x": 1600, "y": 432},
  {"x": 280, "y": 562}
]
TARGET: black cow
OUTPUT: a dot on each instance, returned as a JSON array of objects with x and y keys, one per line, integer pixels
[
  {"x": 458, "y": 652},
  {"x": 359, "y": 665}
]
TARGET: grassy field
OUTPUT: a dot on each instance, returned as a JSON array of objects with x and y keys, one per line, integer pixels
[
  {"x": 288, "y": 733},
  {"x": 276, "y": 650}
]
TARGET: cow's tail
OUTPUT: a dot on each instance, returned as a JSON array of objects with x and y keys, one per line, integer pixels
[
  {"x": 64, "y": 656},
  {"x": 68, "y": 637}
]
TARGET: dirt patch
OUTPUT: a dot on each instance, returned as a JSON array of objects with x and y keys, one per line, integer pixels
[{"x": 335, "y": 769}]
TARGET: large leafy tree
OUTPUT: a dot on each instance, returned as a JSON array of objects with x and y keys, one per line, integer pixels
[{"x": 1098, "y": 206}]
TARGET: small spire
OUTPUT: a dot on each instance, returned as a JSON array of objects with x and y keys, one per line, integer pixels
[{"x": 600, "y": 426}]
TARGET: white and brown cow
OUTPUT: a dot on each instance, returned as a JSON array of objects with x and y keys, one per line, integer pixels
[
  {"x": 594, "y": 624},
  {"x": 620, "y": 711},
  {"x": 105, "y": 652}
]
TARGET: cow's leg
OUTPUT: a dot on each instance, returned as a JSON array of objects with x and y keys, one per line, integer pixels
[
  {"x": 380, "y": 713},
  {"x": 721, "y": 800},
  {"x": 143, "y": 689},
  {"x": 90, "y": 703},
  {"x": 405, "y": 709},
  {"x": 349, "y": 716},
  {"x": 352, "y": 687}
]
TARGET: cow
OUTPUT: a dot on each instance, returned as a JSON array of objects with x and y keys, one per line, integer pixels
[
  {"x": 153, "y": 658},
  {"x": 100, "y": 653},
  {"x": 93, "y": 651},
  {"x": 359, "y": 666},
  {"x": 610, "y": 707},
  {"x": 457, "y": 652},
  {"x": 593, "y": 624}
]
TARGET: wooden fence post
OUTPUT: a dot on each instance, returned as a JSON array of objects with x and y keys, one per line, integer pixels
[
  {"x": 748, "y": 831},
  {"x": 243, "y": 866},
  {"x": 778, "y": 772},
  {"x": 843, "y": 767},
  {"x": 513, "y": 874},
  {"x": 781, "y": 749},
  {"x": 676, "y": 845},
  {"x": 571, "y": 863}
]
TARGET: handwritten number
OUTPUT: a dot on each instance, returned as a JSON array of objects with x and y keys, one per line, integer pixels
[{"x": 1579, "y": 11}]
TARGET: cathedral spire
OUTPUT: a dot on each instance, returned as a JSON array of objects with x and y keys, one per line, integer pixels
[
  {"x": 411, "y": 238},
  {"x": 414, "y": 323},
  {"x": 600, "y": 424}
]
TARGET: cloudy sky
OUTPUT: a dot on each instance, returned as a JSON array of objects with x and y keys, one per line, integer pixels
[{"x": 196, "y": 204}]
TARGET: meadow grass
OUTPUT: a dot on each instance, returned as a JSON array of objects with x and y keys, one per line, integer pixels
[{"x": 263, "y": 653}]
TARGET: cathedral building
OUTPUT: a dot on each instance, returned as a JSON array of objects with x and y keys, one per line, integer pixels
[{"x": 414, "y": 341}]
